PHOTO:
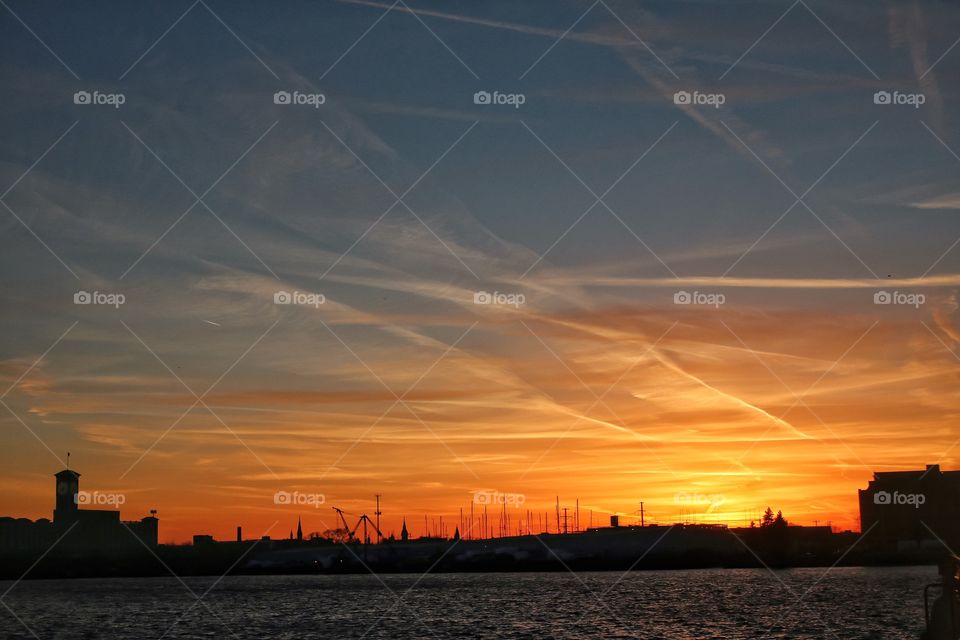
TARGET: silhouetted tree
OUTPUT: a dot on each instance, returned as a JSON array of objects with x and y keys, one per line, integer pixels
[
  {"x": 339, "y": 536},
  {"x": 779, "y": 521},
  {"x": 768, "y": 518},
  {"x": 771, "y": 520},
  {"x": 773, "y": 541}
]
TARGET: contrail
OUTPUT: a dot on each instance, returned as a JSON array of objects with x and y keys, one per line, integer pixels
[
  {"x": 733, "y": 398},
  {"x": 604, "y": 40}
]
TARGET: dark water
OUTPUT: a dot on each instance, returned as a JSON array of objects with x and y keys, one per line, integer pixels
[{"x": 747, "y": 603}]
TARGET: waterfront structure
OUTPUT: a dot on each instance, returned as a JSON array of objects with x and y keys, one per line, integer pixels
[
  {"x": 903, "y": 511},
  {"x": 77, "y": 530}
]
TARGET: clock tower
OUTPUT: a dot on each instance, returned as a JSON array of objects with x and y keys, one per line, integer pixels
[{"x": 68, "y": 486}]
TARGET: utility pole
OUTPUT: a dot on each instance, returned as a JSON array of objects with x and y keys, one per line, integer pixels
[
  {"x": 377, "y": 513},
  {"x": 642, "y": 521},
  {"x": 366, "y": 538},
  {"x": 558, "y": 514}
]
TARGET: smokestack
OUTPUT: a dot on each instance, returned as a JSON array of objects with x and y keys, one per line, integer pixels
[{"x": 239, "y": 534}]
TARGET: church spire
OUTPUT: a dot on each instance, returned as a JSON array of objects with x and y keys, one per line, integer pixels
[
  {"x": 404, "y": 534},
  {"x": 299, "y": 530}
]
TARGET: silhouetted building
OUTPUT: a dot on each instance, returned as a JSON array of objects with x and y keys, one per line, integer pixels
[
  {"x": 299, "y": 530},
  {"x": 76, "y": 529},
  {"x": 22, "y": 534},
  {"x": 911, "y": 510},
  {"x": 404, "y": 534},
  {"x": 68, "y": 491}
]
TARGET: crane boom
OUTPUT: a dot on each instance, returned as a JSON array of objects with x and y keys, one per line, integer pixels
[
  {"x": 365, "y": 520},
  {"x": 346, "y": 527}
]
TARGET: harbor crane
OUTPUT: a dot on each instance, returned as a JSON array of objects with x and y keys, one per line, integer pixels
[
  {"x": 364, "y": 519},
  {"x": 342, "y": 533},
  {"x": 340, "y": 513},
  {"x": 348, "y": 534}
]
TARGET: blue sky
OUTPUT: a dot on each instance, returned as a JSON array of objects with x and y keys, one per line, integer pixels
[{"x": 296, "y": 198}]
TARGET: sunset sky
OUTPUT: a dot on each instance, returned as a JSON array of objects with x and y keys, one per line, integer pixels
[{"x": 591, "y": 205}]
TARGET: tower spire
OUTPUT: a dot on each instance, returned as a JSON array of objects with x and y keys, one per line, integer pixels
[{"x": 299, "y": 530}]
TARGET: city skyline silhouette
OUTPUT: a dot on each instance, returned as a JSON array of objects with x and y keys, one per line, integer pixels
[{"x": 542, "y": 286}]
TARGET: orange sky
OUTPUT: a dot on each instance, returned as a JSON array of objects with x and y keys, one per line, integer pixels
[
  {"x": 402, "y": 198},
  {"x": 678, "y": 408}
]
